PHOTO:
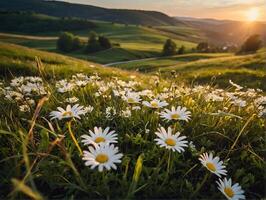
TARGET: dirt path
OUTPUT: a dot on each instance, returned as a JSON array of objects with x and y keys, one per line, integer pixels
[{"x": 125, "y": 62}]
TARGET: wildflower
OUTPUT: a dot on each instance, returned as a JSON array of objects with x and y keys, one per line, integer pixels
[
  {"x": 126, "y": 113},
  {"x": 192, "y": 146},
  {"x": 99, "y": 136},
  {"x": 231, "y": 192},
  {"x": 24, "y": 108},
  {"x": 239, "y": 102},
  {"x": 72, "y": 100},
  {"x": 109, "y": 112},
  {"x": 179, "y": 113},
  {"x": 262, "y": 113},
  {"x": 70, "y": 112},
  {"x": 155, "y": 103},
  {"x": 170, "y": 141},
  {"x": 213, "y": 97},
  {"x": 136, "y": 108},
  {"x": 238, "y": 87},
  {"x": 64, "y": 86},
  {"x": 102, "y": 156},
  {"x": 132, "y": 98},
  {"x": 214, "y": 165},
  {"x": 88, "y": 109}
]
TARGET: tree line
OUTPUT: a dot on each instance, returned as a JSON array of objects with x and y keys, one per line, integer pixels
[
  {"x": 68, "y": 42},
  {"x": 251, "y": 45},
  {"x": 30, "y": 22}
]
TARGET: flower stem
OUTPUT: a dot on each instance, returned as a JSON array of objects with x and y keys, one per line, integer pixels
[
  {"x": 207, "y": 175},
  {"x": 73, "y": 137},
  {"x": 169, "y": 162}
]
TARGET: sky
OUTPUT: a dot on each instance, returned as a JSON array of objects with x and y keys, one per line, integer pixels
[{"x": 218, "y": 9}]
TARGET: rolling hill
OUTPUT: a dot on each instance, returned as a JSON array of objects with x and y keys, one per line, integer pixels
[
  {"x": 26, "y": 22},
  {"x": 16, "y": 60},
  {"x": 225, "y": 31},
  {"x": 136, "y": 42},
  {"x": 218, "y": 68},
  {"x": 63, "y": 9}
]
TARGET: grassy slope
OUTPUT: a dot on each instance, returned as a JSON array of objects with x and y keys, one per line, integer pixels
[
  {"x": 57, "y": 176},
  {"x": 183, "y": 32},
  {"x": 136, "y": 42},
  {"x": 249, "y": 70},
  {"x": 18, "y": 60},
  {"x": 158, "y": 63}
]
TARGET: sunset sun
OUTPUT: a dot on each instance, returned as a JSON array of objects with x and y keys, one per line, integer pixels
[{"x": 252, "y": 14}]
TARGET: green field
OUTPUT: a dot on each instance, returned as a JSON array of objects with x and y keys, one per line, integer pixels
[
  {"x": 18, "y": 60},
  {"x": 40, "y": 156},
  {"x": 136, "y": 42},
  {"x": 247, "y": 70}
]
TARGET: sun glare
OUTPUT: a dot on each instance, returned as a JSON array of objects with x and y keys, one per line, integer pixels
[{"x": 252, "y": 14}]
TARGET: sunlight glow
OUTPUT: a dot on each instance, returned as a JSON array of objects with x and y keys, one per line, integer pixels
[{"x": 252, "y": 14}]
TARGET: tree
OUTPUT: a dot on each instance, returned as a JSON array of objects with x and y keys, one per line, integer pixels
[
  {"x": 181, "y": 50},
  {"x": 252, "y": 44},
  {"x": 77, "y": 43},
  {"x": 203, "y": 47},
  {"x": 93, "y": 43},
  {"x": 169, "y": 48},
  {"x": 104, "y": 42},
  {"x": 64, "y": 42}
]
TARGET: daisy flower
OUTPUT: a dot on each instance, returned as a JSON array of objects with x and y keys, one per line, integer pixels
[
  {"x": 231, "y": 192},
  {"x": 179, "y": 113},
  {"x": 99, "y": 136},
  {"x": 72, "y": 100},
  {"x": 155, "y": 103},
  {"x": 69, "y": 112},
  {"x": 213, "y": 164},
  {"x": 170, "y": 141},
  {"x": 132, "y": 98},
  {"x": 102, "y": 156}
]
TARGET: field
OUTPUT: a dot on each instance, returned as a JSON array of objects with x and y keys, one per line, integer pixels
[
  {"x": 218, "y": 68},
  {"x": 136, "y": 42},
  {"x": 41, "y": 151}
]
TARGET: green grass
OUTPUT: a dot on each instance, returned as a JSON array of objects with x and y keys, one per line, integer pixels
[
  {"x": 18, "y": 60},
  {"x": 183, "y": 33},
  {"x": 158, "y": 63},
  {"x": 39, "y": 159},
  {"x": 135, "y": 42},
  {"x": 247, "y": 70}
]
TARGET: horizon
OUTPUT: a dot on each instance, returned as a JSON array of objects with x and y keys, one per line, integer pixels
[{"x": 238, "y": 10}]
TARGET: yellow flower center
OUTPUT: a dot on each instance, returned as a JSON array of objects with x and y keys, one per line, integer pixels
[
  {"x": 130, "y": 100},
  {"x": 102, "y": 158},
  {"x": 229, "y": 192},
  {"x": 211, "y": 166},
  {"x": 99, "y": 139},
  {"x": 170, "y": 142},
  {"x": 68, "y": 113},
  {"x": 175, "y": 116},
  {"x": 154, "y": 104}
]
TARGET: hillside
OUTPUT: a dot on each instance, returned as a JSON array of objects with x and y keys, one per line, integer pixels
[
  {"x": 17, "y": 60},
  {"x": 45, "y": 122},
  {"x": 225, "y": 31},
  {"x": 247, "y": 70},
  {"x": 63, "y": 9},
  {"x": 136, "y": 42},
  {"x": 24, "y": 22}
]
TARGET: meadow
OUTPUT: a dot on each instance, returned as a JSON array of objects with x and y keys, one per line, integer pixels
[
  {"x": 171, "y": 139},
  {"x": 136, "y": 42},
  {"x": 208, "y": 68}
]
